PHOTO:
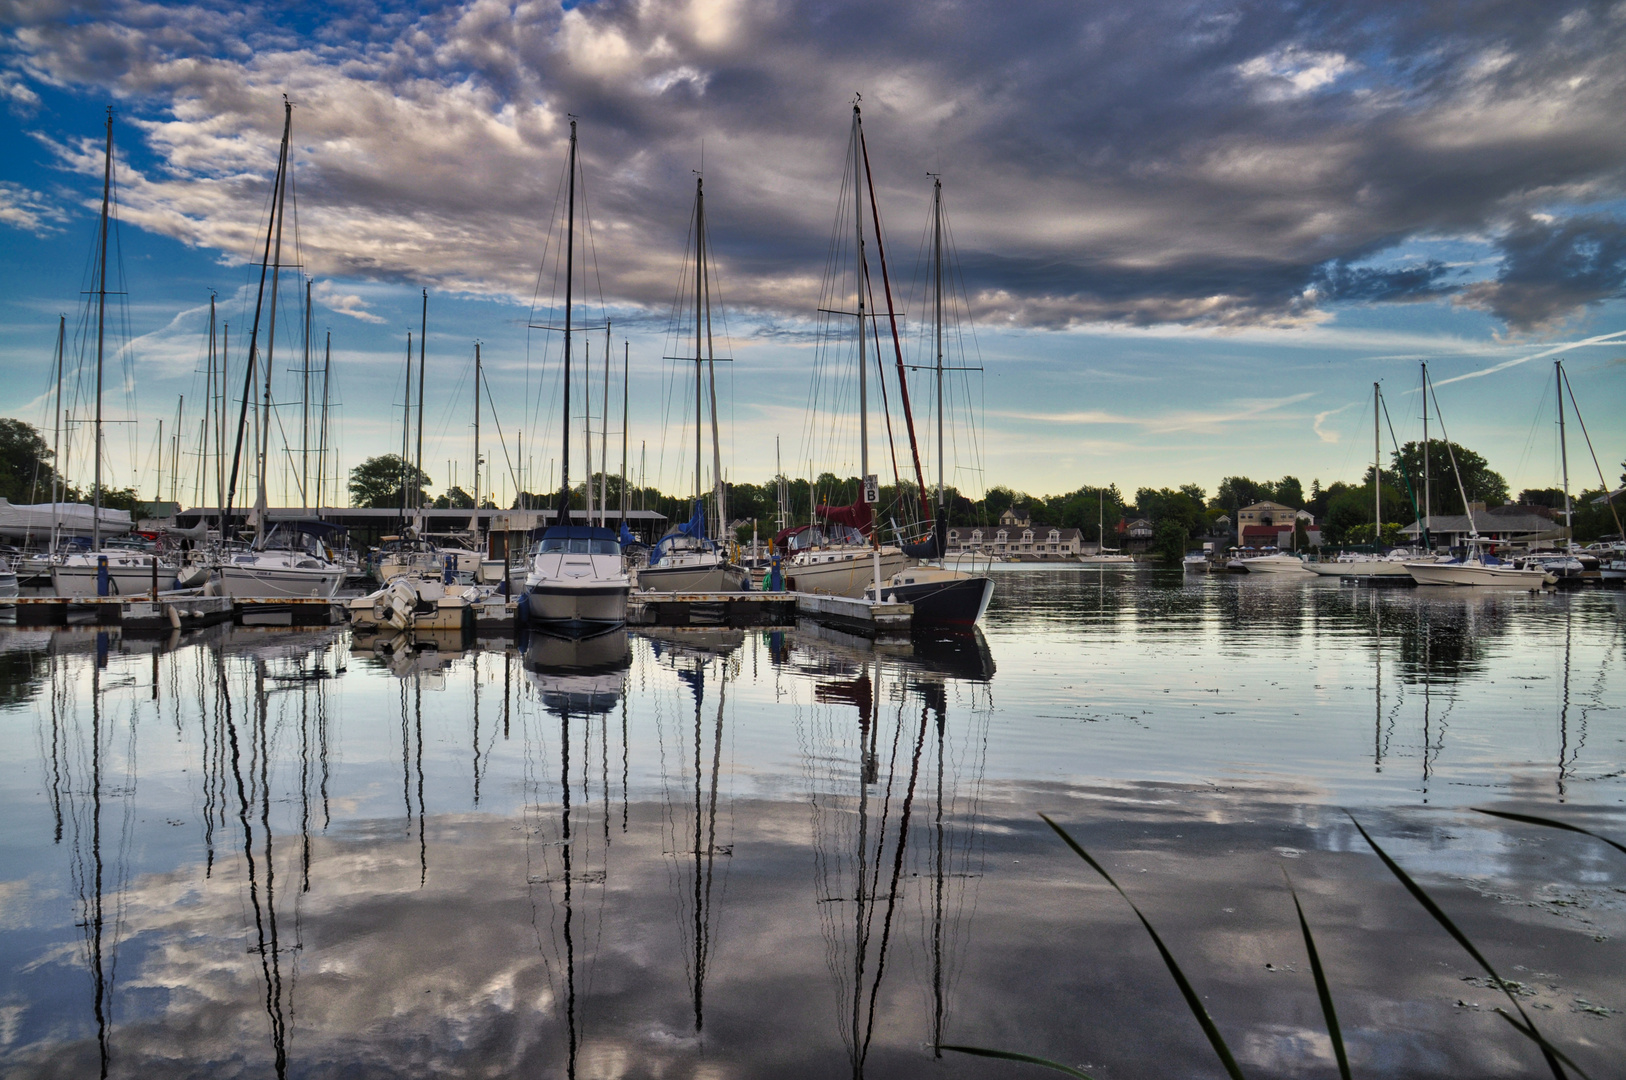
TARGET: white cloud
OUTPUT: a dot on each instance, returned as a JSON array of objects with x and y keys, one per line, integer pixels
[
  {"x": 1294, "y": 72},
  {"x": 351, "y": 304},
  {"x": 29, "y": 210}
]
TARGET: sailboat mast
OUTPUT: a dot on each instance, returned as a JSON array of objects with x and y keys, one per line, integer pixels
[
  {"x": 858, "y": 287},
  {"x": 58, "y": 477},
  {"x": 626, "y": 352},
  {"x": 604, "y": 435},
  {"x": 1563, "y": 453},
  {"x": 897, "y": 342},
  {"x": 101, "y": 331},
  {"x": 1377, "y": 471},
  {"x": 477, "y": 430},
  {"x": 699, "y": 293},
  {"x": 721, "y": 497},
  {"x": 305, "y": 408},
  {"x": 270, "y": 351},
  {"x": 406, "y": 430},
  {"x": 1428, "y": 502},
  {"x": 563, "y": 517},
  {"x": 321, "y": 443},
  {"x": 254, "y": 333},
  {"x": 423, "y": 341},
  {"x": 587, "y": 430},
  {"x": 175, "y": 449},
  {"x": 937, "y": 318}
]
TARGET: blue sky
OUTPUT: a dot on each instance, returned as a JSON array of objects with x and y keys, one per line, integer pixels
[{"x": 1191, "y": 235}]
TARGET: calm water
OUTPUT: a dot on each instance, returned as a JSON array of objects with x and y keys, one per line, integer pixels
[{"x": 743, "y": 853}]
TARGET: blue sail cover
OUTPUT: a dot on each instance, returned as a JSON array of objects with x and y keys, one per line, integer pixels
[{"x": 693, "y": 529}]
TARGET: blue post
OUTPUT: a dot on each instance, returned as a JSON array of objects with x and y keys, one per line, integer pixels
[
  {"x": 101, "y": 575},
  {"x": 450, "y": 574},
  {"x": 776, "y": 580}
]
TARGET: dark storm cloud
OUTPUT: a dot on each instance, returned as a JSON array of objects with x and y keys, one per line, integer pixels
[
  {"x": 1151, "y": 163},
  {"x": 1552, "y": 267}
]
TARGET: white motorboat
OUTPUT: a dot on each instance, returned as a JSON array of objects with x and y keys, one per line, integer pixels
[
  {"x": 1358, "y": 564},
  {"x": 1280, "y": 563},
  {"x": 130, "y": 572},
  {"x": 290, "y": 562},
  {"x": 577, "y": 582},
  {"x": 410, "y": 603},
  {"x": 1478, "y": 569}
]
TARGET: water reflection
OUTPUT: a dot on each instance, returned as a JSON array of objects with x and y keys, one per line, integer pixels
[
  {"x": 690, "y": 841},
  {"x": 577, "y": 679},
  {"x": 862, "y": 742},
  {"x": 682, "y": 831}
]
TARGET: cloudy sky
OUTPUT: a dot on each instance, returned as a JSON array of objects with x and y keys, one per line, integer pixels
[{"x": 1191, "y": 235}]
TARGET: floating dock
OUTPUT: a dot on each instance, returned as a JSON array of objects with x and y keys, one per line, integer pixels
[
  {"x": 179, "y": 609},
  {"x": 711, "y": 609},
  {"x": 767, "y": 609}
]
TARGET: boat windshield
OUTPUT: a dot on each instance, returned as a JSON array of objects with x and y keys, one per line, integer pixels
[{"x": 578, "y": 545}]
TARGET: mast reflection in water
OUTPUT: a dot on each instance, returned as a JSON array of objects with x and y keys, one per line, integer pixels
[
  {"x": 863, "y": 740},
  {"x": 578, "y": 680}
]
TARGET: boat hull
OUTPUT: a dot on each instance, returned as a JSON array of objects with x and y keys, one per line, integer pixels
[
  {"x": 279, "y": 583},
  {"x": 1276, "y": 564},
  {"x": 564, "y": 606},
  {"x": 944, "y": 603},
  {"x": 1474, "y": 574},
  {"x": 1374, "y": 568},
  {"x": 718, "y": 577},
  {"x": 843, "y": 573},
  {"x": 125, "y": 577}
]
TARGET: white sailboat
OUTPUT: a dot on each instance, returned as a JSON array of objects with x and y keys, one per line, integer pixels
[
  {"x": 1479, "y": 567},
  {"x": 847, "y": 568},
  {"x": 1104, "y": 556},
  {"x": 290, "y": 559},
  {"x": 578, "y": 581},
  {"x": 123, "y": 571},
  {"x": 686, "y": 559}
]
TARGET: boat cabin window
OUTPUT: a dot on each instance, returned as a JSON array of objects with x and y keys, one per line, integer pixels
[{"x": 578, "y": 545}]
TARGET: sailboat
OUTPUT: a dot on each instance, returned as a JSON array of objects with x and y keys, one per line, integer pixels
[
  {"x": 1104, "y": 556},
  {"x": 941, "y": 596},
  {"x": 578, "y": 581},
  {"x": 292, "y": 559},
  {"x": 1570, "y": 565},
  {"x": 686, "y": 560},
  {"x": 120, "y": 571},
  {"x": 849, "y": 567},
  {"x": 1479, "y": 566}
]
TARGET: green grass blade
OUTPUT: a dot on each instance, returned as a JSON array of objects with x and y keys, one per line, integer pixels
[
  {"x": 1193, "y": 1002},
  {"x": 1321, "y": 989},
  {"x": 1006, "y": 1055},
  {"x": 1551, "y": 823},
  {"x": 1535, "y": 1036},
  {"x": 1444, "y": 920}
]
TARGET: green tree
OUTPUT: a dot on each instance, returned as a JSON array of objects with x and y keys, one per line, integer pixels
[
  {"x": 1236, "y": 492},
  {"x": 25, "y": 463},
  {"x": 1287, "y": 491},
  {"x": 1169, "y": 541},
  {"x": 455, "y": 499},
  {"x": 1478, "y": 480},
  {"x": 1349, "y": 512},
  {"x": 1551, "y": 498},
  {"x": 377, "y": 483}
]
